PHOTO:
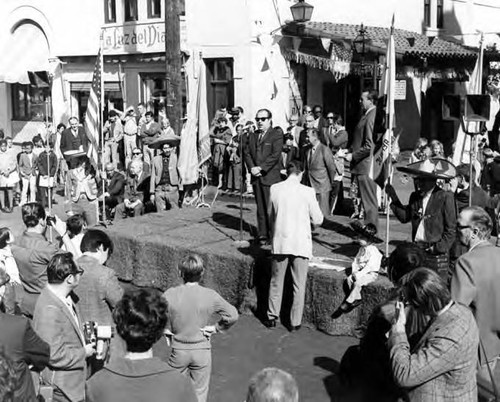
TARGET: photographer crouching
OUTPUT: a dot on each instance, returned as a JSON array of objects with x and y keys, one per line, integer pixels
[{"x": 33, "y": 251}]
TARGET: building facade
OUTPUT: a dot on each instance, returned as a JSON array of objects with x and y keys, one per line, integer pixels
[{"x": 250, "y": 53}]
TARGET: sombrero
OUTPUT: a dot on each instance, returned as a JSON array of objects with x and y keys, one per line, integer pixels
[
  {"x": 171, "y": 139},
  {"x": 368, "y": 231},
  {"x": 432, "y": 168}
]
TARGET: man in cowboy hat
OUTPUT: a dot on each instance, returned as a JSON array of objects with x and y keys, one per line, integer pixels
[
  {"x": 164, "y": 186},
  {"x": 431, "y": 210}
]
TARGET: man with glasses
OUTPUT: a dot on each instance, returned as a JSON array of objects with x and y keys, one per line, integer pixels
[
  {"x": 475, "y": 281},
  {"x": 73, "y": 139},
  {"x": 319, "y": 120},
  {"x": 57, "y": 321},
  {"x": 262, "y": 157},
  {"x": 303, "y": 138},
  {"x": 115, "y": 188}
]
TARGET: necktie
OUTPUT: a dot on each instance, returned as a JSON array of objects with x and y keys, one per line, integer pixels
[{"x": 261, "y": 134}]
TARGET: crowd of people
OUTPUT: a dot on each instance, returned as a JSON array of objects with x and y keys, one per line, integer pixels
[{"x": 71, "y": 333}]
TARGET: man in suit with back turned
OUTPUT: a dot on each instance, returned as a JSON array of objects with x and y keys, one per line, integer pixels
[
  {"x": 262, "y": 156},
  {"x": 362, "y": 155}
]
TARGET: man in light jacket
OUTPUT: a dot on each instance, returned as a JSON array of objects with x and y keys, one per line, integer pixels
[{"x": 292, "y": 209}]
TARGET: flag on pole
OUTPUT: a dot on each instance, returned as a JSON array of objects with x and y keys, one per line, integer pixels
[
  {"x": 92, "y": 115},
  {"x": 204, "y": 153},
  {"x": 382, "y": 155}
]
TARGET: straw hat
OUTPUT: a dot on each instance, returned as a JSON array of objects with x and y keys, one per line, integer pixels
[
  {"x": 432, "y": 168},
  {"x": 169, "y": 138}
]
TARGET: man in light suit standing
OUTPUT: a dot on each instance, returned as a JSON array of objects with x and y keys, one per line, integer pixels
[
  {"x": 476, "y": 280},
  {"x": 292, "y": 209},
  {"x": 57, "y": 321},
  {"x": 320, "y": 170},
  {"x": 362, "y": 155}
]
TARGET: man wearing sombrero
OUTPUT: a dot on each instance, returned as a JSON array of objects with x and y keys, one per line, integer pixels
[{"x": 431, "y": 210}]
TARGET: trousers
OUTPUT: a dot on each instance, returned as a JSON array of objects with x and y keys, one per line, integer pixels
[
  {"x": 166, "y": 198},
  {"x": 111, "y": 152},
  {"x": 29, "y": 183},
  {"x": 197, "y": 365},
  {"x": 262, "y": 194},
  {"x": 299, "y": 277},
  {"x": 324, "y": 202},
  {"x": 368, "y": 194},
  {"x": 122, "y": 212},
  {"x": 129, "y": 143}
]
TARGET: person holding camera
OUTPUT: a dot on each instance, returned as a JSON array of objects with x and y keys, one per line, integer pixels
[
  {"x": 140, "y": 318},
  {"x": 32, "y": 252},
  {"x": 442, "y": 364},
  {"x": 57, "y": 320}
]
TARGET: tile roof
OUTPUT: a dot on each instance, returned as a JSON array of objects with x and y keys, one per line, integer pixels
[{"x": 379, "y": 37}]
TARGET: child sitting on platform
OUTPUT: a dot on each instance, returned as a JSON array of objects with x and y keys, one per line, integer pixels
[{"x": 365, "y": 266}]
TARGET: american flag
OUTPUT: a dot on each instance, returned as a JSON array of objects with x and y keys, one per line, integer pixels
[{"x": 92, "y": 115}]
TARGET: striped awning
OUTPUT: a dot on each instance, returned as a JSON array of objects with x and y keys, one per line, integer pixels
[{"x": 25, "y": 50}]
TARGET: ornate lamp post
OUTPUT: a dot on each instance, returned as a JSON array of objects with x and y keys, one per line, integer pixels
[
  {"x": 301, "y": 11},
  {"x": 359, "y": 44}
]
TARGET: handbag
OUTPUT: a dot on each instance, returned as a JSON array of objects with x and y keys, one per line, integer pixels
[{"x": 487, "y": 390}]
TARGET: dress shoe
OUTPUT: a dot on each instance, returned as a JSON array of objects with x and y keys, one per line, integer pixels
[
  {"x": 294, "y": 328},
  {"x": 269, "y": 323}
]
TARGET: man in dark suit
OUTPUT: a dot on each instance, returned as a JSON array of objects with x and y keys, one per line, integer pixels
[
  {"x": 319, "y": 120},
  {"x": 115, "y": 187},
  {"x": 476, "y": 280},
  {"x": 362, "y": 154},
  {"x": 320, "y": 171},
  {"x": 73, "y": 139},
  {"x": 23, "y": 346},
  {"x": 303, "y": 140},
  {"x": 262, "y": 157},
  {"x": 136, "y": 192},
  {"x": 334, "y": 132},
  {"x": 480, "y": 198}
]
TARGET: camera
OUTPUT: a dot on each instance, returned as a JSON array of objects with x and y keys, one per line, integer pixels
[
  {"x": 51, "y": 220},
  {"x": 100, "y": 335}
]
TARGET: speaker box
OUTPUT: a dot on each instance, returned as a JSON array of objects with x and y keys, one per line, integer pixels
[
  {"x": 477, "y": 108},
  {"x": 452, "y": 107}
]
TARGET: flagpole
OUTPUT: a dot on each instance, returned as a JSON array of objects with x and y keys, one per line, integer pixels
[
  {"x": 389, "y": 123},
  {"x": 101, "y": 123}
]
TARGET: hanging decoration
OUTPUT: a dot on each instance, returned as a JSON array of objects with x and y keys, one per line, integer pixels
[{"x": 339, "y": 69}]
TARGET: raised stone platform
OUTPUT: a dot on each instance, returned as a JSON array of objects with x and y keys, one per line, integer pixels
[{"x": 148, "y": 248}]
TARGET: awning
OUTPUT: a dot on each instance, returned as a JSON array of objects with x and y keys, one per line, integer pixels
[
  {"x": 25, "y": 50},
  {"x": 85, "y": 86}
]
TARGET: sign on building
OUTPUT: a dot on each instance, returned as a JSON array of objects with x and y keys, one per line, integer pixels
[{"x": 400, "y": 90}]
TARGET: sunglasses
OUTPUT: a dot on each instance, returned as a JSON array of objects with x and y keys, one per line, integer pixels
[
  {"x": 79, "y": 271},
  {"x": 261, "y": 118},
  {"x": 330, "y": 117},
  {"x": 462, "y": 227},
  {"x": 136, "y": 153}
]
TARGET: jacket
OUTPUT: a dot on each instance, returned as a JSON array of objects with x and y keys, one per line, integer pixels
[
  {"x": 292, "y": 208},
  {"x": 50, "y": 168},
  {"x": 320, "y": 169},
  {"x": 146, "y": 380},
  {"x": 55, "y": 324},
  {"x": 335, "y": 140},
  {"x": 113, "y": 131},
  {"x": 69, "y": 142},
  {"x": 98, "y": 291},
  {"x": 440, "y": 217},
  {"x": 27, "y": 168},
  {"x": 475, "y": 283},
  {"x": 137, "y": 189},
  {"x": 442, "y": 366},
  {"x": 24, "y": 347},
  {"x": 362, "y": 144},
  {"x": 266, "y": 154},
  {"x": 150, "y": 134},
  {"x": 116, "y": 186},
  {"x": 157, "y": 170}
]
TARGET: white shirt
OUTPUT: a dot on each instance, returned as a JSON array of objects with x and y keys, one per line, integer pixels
[{"x": 420, "y": 235}]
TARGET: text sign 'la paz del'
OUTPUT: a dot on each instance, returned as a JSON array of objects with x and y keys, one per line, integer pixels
[{"x": 134, "y": 38}]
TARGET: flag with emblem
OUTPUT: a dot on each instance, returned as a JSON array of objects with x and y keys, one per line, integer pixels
[{"x": 93, "y": 113}]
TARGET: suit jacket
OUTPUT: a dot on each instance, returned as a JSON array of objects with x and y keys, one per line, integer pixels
[
  {"x": 137, "y": 189},
  {"x": 442, "y": 365},
  {"x": 69, "y": 142},
  {"x": 292, "y": 209},
  {"x": 150, "y": 134},
  {"x": 266, "y": 154},
  {"x": 27, "y": 168},
  {"x": 56, "y": 325},
  {"x": 475, "y": 284},
  {"x": 440, "y": 217},
  {"x": 157, "y": 170},
  {"x": 335, "y": 140},
  {"x": 320, "y": 169},
  {"x": 480, "y": 198},
  {"x": 98, "y": 291},
  {"x": 287, "y": 157},
  {"x": 50, "y": 168},
  {"x": 24, "y": 347},
  {"x": 116, "y": 186},
  {"x": 362, "y": 144}
]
